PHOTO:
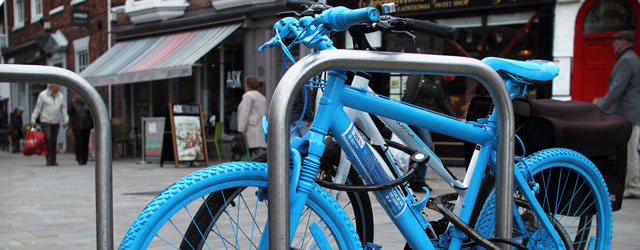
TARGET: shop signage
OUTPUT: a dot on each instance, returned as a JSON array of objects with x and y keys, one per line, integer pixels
[
  {"x": 234, "y": 80},
  {"x": 611, "y": 15},
  {"x": 184, "y": 138},
  {"x": 80, "y": 18},
  {"x": 431, "y": 5}
]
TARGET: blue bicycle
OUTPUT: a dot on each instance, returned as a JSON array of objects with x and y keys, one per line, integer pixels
[{"x": 560, "y": 200}]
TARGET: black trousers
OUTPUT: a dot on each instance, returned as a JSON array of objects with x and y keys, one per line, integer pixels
[
  {"x": 50, "y": 139},
  {"x": 15, "y": 142},
  {"x": 81, "y": 138}
]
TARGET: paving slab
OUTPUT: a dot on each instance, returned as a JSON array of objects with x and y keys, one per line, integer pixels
[{"x": 54, "y": 207}]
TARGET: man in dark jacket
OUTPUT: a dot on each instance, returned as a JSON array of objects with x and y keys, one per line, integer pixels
[
  {"x": 623, "y": 99},
  {"x": 16, "y": 129},
  {"x": 81, "y": 124}
]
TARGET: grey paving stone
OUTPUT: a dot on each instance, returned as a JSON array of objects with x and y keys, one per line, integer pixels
[{"x": 54, "y": 207}]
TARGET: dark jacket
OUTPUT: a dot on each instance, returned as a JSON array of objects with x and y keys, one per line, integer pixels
[
  {"x": 79, "y": 115},
  {"x": 15, "y": 125},
  {"x": 623, "y": 97},
  {"x": 299, "y": 105},
  {"x": 426, "y": 92}
]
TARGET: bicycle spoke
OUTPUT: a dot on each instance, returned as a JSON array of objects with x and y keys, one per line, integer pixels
[{"x": 197, "y": 227}]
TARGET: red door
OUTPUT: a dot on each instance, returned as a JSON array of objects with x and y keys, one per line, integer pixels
[{"x": 593, "y": 53}]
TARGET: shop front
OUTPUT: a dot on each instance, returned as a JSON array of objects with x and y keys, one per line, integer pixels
[
  {"x": 593, "y": 53},
  {"x": 516, "y": 29},
  {"x": 519, "y": 29},
  {"x": 186, "y": 67}
]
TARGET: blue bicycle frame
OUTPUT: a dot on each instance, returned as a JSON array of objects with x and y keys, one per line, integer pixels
[{"x": 331, "y": 118}]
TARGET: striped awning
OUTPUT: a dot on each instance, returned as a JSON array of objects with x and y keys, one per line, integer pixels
[{"x": 155, "y": 58}]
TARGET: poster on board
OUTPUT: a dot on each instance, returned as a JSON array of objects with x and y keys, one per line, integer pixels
[
  {"x": 152, "y": 137},
  {"x": 184, "y": 138},
  {"x": 189, "y": 139}
]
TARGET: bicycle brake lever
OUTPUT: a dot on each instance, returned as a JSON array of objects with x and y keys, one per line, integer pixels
[
  {"x": 288, "y": 14},
  {"x": 405, "y": 33}
]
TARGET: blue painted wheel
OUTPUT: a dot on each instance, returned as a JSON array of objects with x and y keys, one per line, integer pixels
[
  {"x": 238, "y": 213},
  {"x": 573, "y": 195}
]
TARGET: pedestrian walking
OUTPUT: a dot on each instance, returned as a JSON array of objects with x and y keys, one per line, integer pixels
[
  {"x": 50, "y": 108},
  {"x": 81, "y": 123},
  {"x": 623, "y": 98},
  {"x": 16, "y": 129},
  {"x": 250, "y": 112}
]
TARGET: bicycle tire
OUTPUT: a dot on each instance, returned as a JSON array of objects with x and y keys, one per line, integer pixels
[
  {"x": 236, "y": 183},
  {"x": 359, "y": 204},
  {"x": 580, "y": 181}
]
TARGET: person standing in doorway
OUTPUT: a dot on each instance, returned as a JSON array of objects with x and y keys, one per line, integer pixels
[
  {"x": 16, "y": 129},
  {"x": 50, "y": 108},
  {"x": 81, "y": 123},
  {"x": 623, "y": 98},
  {"x": 250, "y": 112}
]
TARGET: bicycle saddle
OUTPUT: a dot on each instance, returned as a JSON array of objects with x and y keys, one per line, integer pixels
[{"x": 538, "y": 70}]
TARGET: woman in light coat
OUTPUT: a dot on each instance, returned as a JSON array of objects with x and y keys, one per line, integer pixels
[{"x": 250, "y": 112}]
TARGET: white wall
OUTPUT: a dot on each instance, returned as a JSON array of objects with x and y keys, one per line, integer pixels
[
  {"x": 564, "y": 28},
  {"x": 563, "y": 38}
]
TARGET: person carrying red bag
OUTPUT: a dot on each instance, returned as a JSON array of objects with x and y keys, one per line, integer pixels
[
  {"x": 34, "y": 143},
  {"x": 50, "y": 108}
]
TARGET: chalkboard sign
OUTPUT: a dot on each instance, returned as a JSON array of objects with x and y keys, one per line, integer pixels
[
  {"x": 152, "y": 136},
  {"x": 184, "y": 138}
]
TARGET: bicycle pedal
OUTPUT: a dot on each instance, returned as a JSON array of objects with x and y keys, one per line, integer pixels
[{"x": 372, "y": 246}]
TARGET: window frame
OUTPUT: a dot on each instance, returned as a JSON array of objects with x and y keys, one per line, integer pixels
[
  {"x": 18, "y": 14},
  {"x": 81, "y": 54},
  {"x": 35, "y": 16}
]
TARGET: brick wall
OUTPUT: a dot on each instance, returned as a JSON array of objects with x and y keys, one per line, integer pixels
[{"x": 96, "y": 29}]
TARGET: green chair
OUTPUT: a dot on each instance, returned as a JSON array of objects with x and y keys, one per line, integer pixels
[
  {"x": 217, "y": 140},
  {"x": 121, "y": 137},
  {"x": 236, "y": 156}
]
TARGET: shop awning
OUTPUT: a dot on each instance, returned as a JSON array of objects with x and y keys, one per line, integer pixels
[{"x": 155, "y": 58}]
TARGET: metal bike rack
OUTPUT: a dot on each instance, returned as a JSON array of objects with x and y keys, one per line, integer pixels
[
  {"x": 371, "y": 61},
  {"x": 104, "y": 193}
]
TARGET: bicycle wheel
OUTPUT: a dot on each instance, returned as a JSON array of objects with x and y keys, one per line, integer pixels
[
  {"x": 572, "y": 193},
  {"x": 239, "y": 212}
]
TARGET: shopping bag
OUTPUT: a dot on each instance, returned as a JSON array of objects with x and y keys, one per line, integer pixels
[{"x": 34, "y": 143}]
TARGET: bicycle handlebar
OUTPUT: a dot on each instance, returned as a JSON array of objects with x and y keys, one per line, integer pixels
[
  {"x": 435, "y": 29},
  {"x": 341, "y": 18}
]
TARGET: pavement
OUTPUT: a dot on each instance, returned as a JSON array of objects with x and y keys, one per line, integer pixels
[{"x": 54, "y": 207}]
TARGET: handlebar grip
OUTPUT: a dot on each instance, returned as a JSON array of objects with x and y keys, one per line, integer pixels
[
  {"x": 299, "y": 4},
  {"x": 341, "y": 18},
  {"x": 430, "y": 28}
]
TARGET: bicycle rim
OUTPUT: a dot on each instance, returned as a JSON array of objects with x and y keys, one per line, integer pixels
[
  {"x": 234, "y": 197},
  {"x": 572, "y": 194}
]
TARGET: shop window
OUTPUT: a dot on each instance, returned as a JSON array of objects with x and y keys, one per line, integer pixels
[
  {"x": 36, "y": 10},
  {"x": 609, "y": 16},
  {"x": 81, "y": 47},
  {"x": 18, "y": 14}
]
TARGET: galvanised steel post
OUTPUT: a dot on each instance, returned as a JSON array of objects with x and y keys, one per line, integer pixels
[{"x": 15, "y": 73}]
